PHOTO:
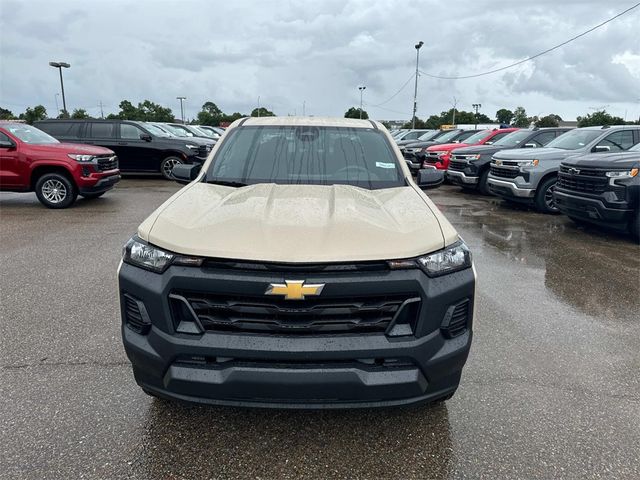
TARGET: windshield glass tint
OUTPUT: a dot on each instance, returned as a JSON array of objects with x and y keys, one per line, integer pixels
[
  {"x": 29, "y": 134},
  {"x": 428, "y": 136},
  {"x": 156, "y": 131},
  {"x": 575, "y": 139},
  {"x": 448, "y": 136},
  {"x": 175, "y": 131},
  {"x": 307, "y": 155},
  {"x": 512, "y": 139},
  {"x": 476, "y": 137},
  {"x": 635, "y": 148}
]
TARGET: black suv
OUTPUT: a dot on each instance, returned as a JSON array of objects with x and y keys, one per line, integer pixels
[
  {"x": 140, "y": 146},
  {"x": 469, "y": 166},
  {"x": 415, "y": 153},
  {"x": 602, "y": 189}
]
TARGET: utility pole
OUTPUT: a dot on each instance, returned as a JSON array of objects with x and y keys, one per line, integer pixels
[
  {"x": 57, "y": 107},
  {"x": 101, "y": 110},
  {"x": 455, "y": 104},
  {"x": 476, "y": 106},
  {"x": 415, "y": 91},
  {"x": 60, "y": 66},
  {"x": 181, "y": 108},
  {"x": 362, "y": 89}
]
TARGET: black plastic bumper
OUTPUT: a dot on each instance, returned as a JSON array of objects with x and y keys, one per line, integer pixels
[
  {"x": 293, "y": 371},
  {"x": 592, "y": 209},
  {"x": 102, "y": 185}
]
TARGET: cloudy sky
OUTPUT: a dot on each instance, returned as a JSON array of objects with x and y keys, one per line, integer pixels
[{"x": 317, "y": 53}]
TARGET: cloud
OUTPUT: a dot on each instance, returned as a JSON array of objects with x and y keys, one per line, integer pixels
[{"x": 319, "y": 52}]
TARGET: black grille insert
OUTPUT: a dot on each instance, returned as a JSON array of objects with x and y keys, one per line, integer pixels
[
  {"x": 299, "y": 317},
  {"x": 504, "y": 172},
  {"x": 107, "y": 163},
  {"x": 457, "y": 165},
  {"x": 135, "y": 315},
  {"x": 456, "y": 320},
  {"x": 582, "y": 182}
]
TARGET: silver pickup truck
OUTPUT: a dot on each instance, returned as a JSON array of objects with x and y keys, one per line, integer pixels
[{"x": 529, "y": 176}]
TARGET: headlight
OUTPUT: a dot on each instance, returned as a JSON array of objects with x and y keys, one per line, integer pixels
[
  {"x": 448, "y": 260},
  {"x": 81, "y": 158},
  {"x": 141, "y": 254},
  {"x": 473, "y": 157},
  {"x": 440, "y": 153},
  {"x": 529, "y": 163},
  {"x": 192, "y": 147},
  {"x": 622, "y": 173}
]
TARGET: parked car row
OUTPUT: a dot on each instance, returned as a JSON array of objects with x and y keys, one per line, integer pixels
[
  {"x": 590, "y": 173},
  {"x": 140, "y": 146}
]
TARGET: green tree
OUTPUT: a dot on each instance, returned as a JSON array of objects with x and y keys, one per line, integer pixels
[
  {"x": 34, "y": 114},
  {"x": 6, "y": 114},
  {"x": 210, "y": 114},
  {"x": 80, "y": 113},
  {"x": 128, "y": 111},
  {"x": 354, "y": 112},
  {"x": 600, "y": 117},
  {"x": 232, "y": 117},
  {"x": 520, "y": 118},
  {"x": 152, "y": 112},
  {"x": 504, "y": 116},
  {"x": 550, "y": 120},
  {"x": 64, "y": 114},
  {"x": 262, "y": 112}
]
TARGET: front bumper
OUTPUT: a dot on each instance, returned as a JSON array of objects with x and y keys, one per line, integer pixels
[
  {"x": 511, "y": 190},
  {"x": 102, "y": 185},
  {"x": 460, "y": 178},
  {"x": 593, "y": 209},
  {"x": 297, "y": 371}
]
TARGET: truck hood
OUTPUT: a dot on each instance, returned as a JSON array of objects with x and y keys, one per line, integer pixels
[
  {"x": 298, "y": 223},
  {"x": 70, "y": 148},
  {"x": 607, "y": 160},
  {"x": 481, "y": 149},
  {"x": 544, "y": 153}
]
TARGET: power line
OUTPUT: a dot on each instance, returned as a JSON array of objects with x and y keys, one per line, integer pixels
[
  {"x": 537, "y": 54},
  {"x": 395, "y": 94}
]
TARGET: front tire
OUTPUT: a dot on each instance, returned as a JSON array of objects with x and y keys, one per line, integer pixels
[
  {"x": 544, "y": 197},
  {"x": 483, "y": 186},
  {"x": 166, "y": 166},
  {"x": 634, "y": 227},
  {"x": 55, "y": 190}
]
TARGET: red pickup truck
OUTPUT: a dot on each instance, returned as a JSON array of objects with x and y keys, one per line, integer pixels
[
  {"x": 31, "y": 160},
  {"x": 438, "y": 155}
]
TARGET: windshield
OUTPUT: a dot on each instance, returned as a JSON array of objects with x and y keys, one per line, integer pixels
[
  {"x": 448, "y": 136},
  {"x": 476, "y": 137},
  {"x": 574, "y": 139},
  {"x": 513, "y": 139},
  {"x": 29, "y": 134},
  {"x": 178, "y": 132},
  {"x": 429, "y": 135},
  {"x": 156, "y": 130},
  {"x": 635, "y": 148},
  {"x": 306, "y": 155}
]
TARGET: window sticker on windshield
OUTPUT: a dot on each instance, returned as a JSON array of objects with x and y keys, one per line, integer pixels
[{"x": 385, "y": 165}]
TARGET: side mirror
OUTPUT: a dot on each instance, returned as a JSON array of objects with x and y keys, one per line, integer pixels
[
  {"x": 529, "y": 145},
  {"x": 430, "y": 178},
  {"x": 6, "y": 144},
  {"x": 146, "y": 137},
  {"x": 185, "y": 174},
  {"x": 601, "y": 148}
]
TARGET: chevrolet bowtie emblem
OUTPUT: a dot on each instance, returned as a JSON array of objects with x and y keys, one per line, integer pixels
[
  {"x": 574, "y": 171},
  {"x": 294, "y": 289}
]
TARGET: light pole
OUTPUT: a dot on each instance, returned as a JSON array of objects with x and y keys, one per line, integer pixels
[
  {"x": 476, "y": 107},
  {"x": 181, "y": 108},
  {"x": 415, "y": 91},
  {"x": 60, "y": 66},
  {"x": 57, "y": 107},
  {"x": 362, "y": 89}
]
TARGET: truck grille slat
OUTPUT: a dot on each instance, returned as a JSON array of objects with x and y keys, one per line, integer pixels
[
  {"x": 279, "y": 316},
  {"x": 107, "y": 163},
  {"x": 582, "y": 180},
  {"x": 504, "y": 172}
]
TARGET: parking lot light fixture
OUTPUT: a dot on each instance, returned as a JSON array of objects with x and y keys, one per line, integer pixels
[
  {"x": 415, "y": 91},
  {"x": 362, "y": 89},
  {"x": 60, "y": 66},
  {"x": 181, "y": 108}
]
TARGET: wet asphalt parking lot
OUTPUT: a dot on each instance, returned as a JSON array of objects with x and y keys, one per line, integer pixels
[{"x": 551, "y": 388}]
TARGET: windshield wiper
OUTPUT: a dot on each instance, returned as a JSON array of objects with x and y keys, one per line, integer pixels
[{"x": 227, "y": 183}]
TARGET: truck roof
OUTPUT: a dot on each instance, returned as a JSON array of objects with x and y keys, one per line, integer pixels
[{"x": 306, "y": 121}]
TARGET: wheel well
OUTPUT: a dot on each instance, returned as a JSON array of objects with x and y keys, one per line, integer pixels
[
  {"x": 39, "y": 171},
  {"x": 547, "y": 177},
  {"x": 172, "y": 153}
]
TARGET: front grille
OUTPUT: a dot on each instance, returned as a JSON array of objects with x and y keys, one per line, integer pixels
[
  {"x": 580, "y": 183},
  {"x": 456, "y": 320},
  {"x": 292, "y": 267},
  {"x": 338, "y": 315},
  {"x": 585, "y": 172},
  {"x": 107, "y": 163},
  {"x": 457, "y": 165},
  {"x": 504, "y": 172},
  {"x": 135, "y": 315}
]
